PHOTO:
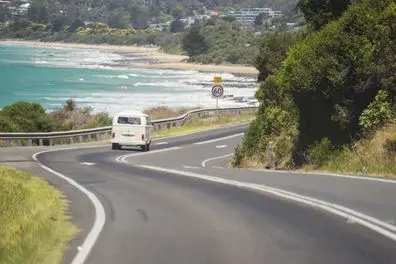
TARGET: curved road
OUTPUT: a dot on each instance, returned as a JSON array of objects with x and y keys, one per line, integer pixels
[{"x": 160, "y": 208}]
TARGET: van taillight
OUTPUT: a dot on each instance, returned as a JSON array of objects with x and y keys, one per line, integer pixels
[
  {"x": 142, "y": 136},
  {"x": 113, "y": 135}
]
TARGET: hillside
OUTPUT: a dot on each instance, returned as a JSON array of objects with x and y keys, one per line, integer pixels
[{"x": 328, "y": 98}]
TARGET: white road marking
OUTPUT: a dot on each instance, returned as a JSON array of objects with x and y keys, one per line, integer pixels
[
  {"x": 122, "y": 159},
  {"x": 87, "y": 163},
  {"x": 100, "y": 216},
  {"x": 350, "y": 221},
  {"x": 161, "y": 143},
  {"x": 367, "y": 221},
  {"x": 203, "y": 164},
  {"x": 350, "y": 177},
  {"x": 190, "y": 167},
  {"x": 218, "y": 139},
  {"x": 200, "y": 131},
  {"x": 221, "y": 146}
]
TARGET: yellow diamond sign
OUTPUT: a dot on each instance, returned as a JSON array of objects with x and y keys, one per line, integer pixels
[{"x": 217, "y": 79}]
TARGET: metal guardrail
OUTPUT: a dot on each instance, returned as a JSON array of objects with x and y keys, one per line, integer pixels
[{"x": 104, "y": 133}]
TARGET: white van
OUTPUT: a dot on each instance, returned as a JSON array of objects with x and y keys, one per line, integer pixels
[{"x": 131, "y": 128}]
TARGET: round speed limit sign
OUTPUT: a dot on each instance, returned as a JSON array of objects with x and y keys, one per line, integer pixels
[{"x": 217, "y": 91}]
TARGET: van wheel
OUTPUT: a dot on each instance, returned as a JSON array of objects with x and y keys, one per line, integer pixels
[
  {"x": 115, "y": 146},
  {"x": 146, "y": 147}
]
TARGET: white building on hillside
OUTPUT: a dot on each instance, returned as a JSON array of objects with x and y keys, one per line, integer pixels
[{"x": 247, "y": 16}]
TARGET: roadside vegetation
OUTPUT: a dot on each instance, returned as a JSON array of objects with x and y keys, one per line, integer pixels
[
  {"x": 204, "y": 123},
  {"x": 35, "y": 227},
  {"x": 160, "y": 112},
  {"x": 328, "y": 98},
  {"x": 32, "y": 117}
]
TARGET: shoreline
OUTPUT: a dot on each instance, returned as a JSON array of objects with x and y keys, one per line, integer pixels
[{"x": 151, "y": 57}]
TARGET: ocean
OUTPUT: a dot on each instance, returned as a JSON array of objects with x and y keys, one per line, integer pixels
[{"x": 51, "y": 75}]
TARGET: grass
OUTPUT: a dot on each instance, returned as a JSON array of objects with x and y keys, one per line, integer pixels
[
  {"x": 160, "y": 112},
  {"x": 205, "y": 123},
  {"x": 374, "y": 156},
  {"x": 34, "y": 227}
]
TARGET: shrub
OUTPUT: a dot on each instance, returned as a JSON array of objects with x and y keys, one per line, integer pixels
[
  {"x": 390, "y": 146},
  {"x": 6, "y": 125},
  {"x": 378, "y": 113},
  {"x": 28, "y": 117},
  {"x": 320, "y": 152}
]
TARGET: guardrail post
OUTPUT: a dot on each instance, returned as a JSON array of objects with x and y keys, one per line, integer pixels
[
  {"x": 71, "y": 141},
  {"x": 50, "y": 141},
  {"x": 97, "y": 137},
  {"x": 40, "y": 142},
  {"x": 81, "y": 139},
  {"x": 30, "y": 141}
]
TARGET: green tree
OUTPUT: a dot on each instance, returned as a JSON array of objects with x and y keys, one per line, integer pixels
[
  {"x": 38, "y": 12},
  {"x": 273, "y": 51},
  {"x": 139, "y": 16},
  {"x": 320, "y": 12},
  {"x": 377, "y": 113},
  {"x": 194, "y": 43},
  {"x": 28, "y": 117},
  {"x": 76, "y": 24},
  {"x": 119, "y": 19},
  {"x": 6, "y": 125},
  {"x": 178, "y": 12},
  {"x": 177, "y": 26}
]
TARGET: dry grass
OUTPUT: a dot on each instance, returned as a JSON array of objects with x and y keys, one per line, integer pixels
[
  {"x": 368, "y": 156},
  {"x": 206, "y": 123},
  {"x": 33, "y": 225},
  {"x": 161, "y": 112}
]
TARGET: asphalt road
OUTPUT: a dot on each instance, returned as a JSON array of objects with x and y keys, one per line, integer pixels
[{"x": 157, "y": 215}]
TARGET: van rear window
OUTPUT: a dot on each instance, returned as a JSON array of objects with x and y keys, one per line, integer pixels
[{"x": 129, "y": 120}]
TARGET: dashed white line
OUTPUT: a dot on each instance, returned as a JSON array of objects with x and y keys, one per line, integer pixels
[
  {"x": 122, "y": 159},
  {"x": 100, "y": 216},
  {"x": 87, "y": 163},
  {"x": 218, "y": 139},
  {"x": 352, "y": 216},
  {"x": 161, "y": 143},
  {"x": 221, "y": 146},
  {"x": 190, "y": 167},
  {"x": 203, "y": 164}
]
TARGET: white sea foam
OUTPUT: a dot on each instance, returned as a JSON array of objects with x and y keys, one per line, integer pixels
[{"x": 114, "y": 90}]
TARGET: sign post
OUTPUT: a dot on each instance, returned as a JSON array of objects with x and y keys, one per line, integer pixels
[{"x": 217, "y": 91}]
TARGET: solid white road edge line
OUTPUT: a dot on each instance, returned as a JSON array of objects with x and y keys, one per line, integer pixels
[
  {"x": 122, "y": 159},
  {"x": 351, "y": 177},
  {"x": 100, "y": 216},
  {"x": 200, "y": 131},
  {"x": 369, "y": 222},
  {"x": 218, "y": 139},
  {"x": 203, "y": 164}
]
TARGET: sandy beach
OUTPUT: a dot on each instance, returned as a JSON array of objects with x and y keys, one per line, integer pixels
[{"x": 150, "y": 57}]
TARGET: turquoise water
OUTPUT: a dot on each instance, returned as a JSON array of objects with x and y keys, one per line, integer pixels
[{"x": 52, "y": 75}]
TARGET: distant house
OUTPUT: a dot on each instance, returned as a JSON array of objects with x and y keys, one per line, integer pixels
[
  {"x": 160, "y": 26},
  {"x": 23, "y": 8},
  {"x": 247, "y": 16}
]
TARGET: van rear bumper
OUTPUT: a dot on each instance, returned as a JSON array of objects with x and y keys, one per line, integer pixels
[{"x": 130, "y": 143}]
